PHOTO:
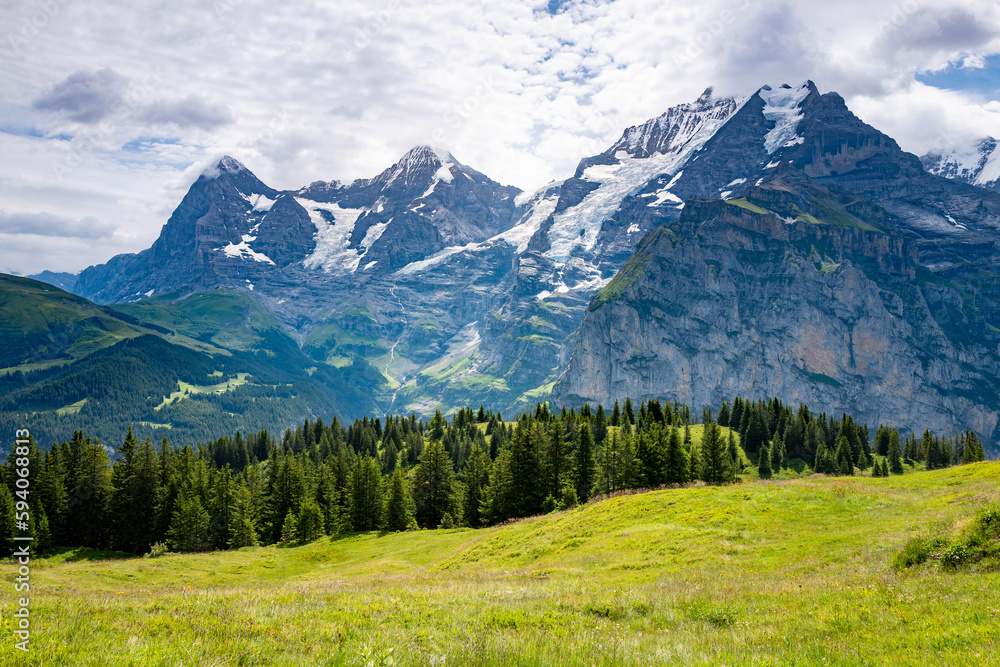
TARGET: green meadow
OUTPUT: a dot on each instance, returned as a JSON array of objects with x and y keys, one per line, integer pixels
[{"x": 781, "y": 572}]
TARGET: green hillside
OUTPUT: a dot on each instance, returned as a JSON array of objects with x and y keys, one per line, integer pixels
[
  {"x": 44, "y": 326},
  {"x": 186, "y": 368},
  {"x": 226, "y": 318},
  {"x": 794, "y": 572}
]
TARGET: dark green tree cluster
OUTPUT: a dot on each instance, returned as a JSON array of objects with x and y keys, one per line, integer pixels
[{"x": 401, "y": 472}]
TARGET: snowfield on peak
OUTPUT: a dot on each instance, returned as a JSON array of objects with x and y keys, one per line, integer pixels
[
  {"x": 684, "y": 129},
  {"x": 782, "y": 107}
]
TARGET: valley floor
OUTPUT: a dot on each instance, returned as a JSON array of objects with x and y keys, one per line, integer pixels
[{"x": 792, "y": 572}]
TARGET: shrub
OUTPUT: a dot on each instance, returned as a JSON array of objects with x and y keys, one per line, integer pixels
[
  {"x": 917, "y": 551},
  {"x": 158, "y": 549},
  {"x": 954, "y": 557}
]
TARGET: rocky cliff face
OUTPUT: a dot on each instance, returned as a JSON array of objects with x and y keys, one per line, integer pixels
[{"x": 787, "y": 293}]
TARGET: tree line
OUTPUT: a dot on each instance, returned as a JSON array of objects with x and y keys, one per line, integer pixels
[{"x": 472, "y": 469}]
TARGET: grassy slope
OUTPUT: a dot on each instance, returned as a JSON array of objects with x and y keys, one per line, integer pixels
[
  {"x": 228, "y": 318},
  {"x": 44, "y": 326},
  {"x": 42, "y": 323},
  {"x": 766, "y": 573}
]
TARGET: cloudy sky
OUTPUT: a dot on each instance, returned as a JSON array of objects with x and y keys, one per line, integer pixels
[{"x": 109, "y": 110}]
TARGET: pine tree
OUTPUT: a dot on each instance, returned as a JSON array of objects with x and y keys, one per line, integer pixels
[
  {"x": 140, "y": 490},
  {"x": 757, "y": 434},
  {"x": 629, "y": 411},
  {"x": 716, "y": 466},
  {"x": 842, "y": 457},
  {"x": 824, "y": 463},
  {"x": 895, "y": 458},
  {"x": 734, "y": 455},
  {"x": 309, "y": 521},
  {"x": 583, "y": 473},
  {"x": 677, "y": 467},
  {"x": 366, "y": 492},
  {"x": 724, "y": 414},
  {"x": 794, "y": 439},
  {"x": 498, "y": 504},
  {"x": 220, "y": 524},
  {"x": 555, "y": 460},
  {"x": 524, "y": 468},
  {"x": 433, "y": 486},
  {"x": 51, "y": 484},
  {"x": 243, "y": 529},
  {"x": 611, "y": 465},
  {"x": 600, "y": 425},
  {"x": 289, "y": 528},
  {"x": 476, "y": 482},
  {"x": 7, "y": 521},
  {"x": 90, "y": 496},
  {"x": 616, "y": 415},
  {"x": 777, "y": 453},
  {"x": 40, "y": 528},
  {"x": 397, "y": 510},
  {"x": 764, "y": 463},
  {"x": 189, "y": 527}
]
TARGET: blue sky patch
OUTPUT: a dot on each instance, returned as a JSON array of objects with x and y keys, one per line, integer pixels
[{"x": 982, "y": 80}]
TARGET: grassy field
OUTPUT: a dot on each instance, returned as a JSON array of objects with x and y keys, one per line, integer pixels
[
  {"x": 788, "y": 572},
  {"x": 186, "y": 390}
]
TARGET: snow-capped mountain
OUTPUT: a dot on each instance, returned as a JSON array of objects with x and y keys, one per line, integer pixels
[
  {"x": 422, "y": 204},
  {"x": 232, "y": 230},
  {"x": 978, "y": 165},
  {"x": 460, "y": 289}
]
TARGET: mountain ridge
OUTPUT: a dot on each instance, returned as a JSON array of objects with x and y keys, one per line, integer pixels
[{"x": 457, "y": 286}]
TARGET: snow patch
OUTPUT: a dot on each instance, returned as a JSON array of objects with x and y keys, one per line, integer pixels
[
  {"x": 243, "y": 250},
  {"x": 772, "y": 165},
  {"x": 665, "y": 195},
  {"x": 444, "y": 173},
  {"x": 333, "y": 253},
  {"x": 726, "y": 194},
  {"x": 372, "y": 235},
  {"x": 520, "y": 234},
  {"x": 150, "y": 293},
  {"x": 435, "y": 259},
  {"x": 258, "y": 202},
  {"x": 956, "y": 223},
  {"x": 782, "y": 107},
  {"x": 738, "y": 181}
]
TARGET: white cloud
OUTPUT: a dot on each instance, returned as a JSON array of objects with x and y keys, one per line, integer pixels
[
  {"x": 312, "y": 89},
  {"x": 47, "y": 224}
]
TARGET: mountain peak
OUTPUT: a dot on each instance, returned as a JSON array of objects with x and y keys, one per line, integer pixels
[
  {"x": 420, "y": 163},
  {"x": 705, "y": 99},
  {"x": 677, "y": 126},
  {"x": 224, "y": 165},
  {"x": 426, "y": 155}
]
